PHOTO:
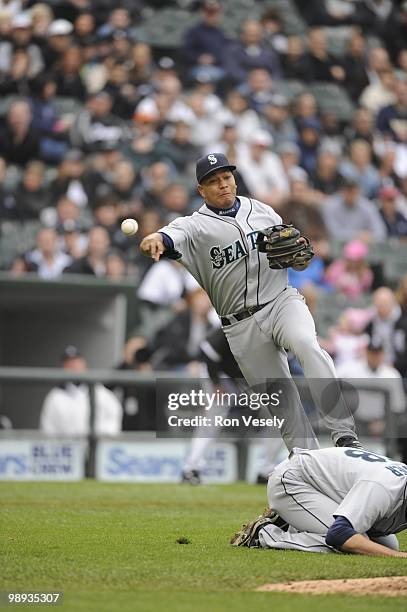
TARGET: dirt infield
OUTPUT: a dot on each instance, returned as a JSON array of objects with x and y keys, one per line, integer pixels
[{"x": 393, "y": 586}]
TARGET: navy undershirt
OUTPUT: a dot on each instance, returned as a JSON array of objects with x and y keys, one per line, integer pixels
[
  {"x": 340, "y": 531},
  {"x": 222, "y": 212}
]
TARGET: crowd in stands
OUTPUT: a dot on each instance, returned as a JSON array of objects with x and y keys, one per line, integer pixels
[{"x": 98, "y": 125}]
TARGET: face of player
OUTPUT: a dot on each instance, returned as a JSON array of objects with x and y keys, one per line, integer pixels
[{"x": 219, "y": 189}]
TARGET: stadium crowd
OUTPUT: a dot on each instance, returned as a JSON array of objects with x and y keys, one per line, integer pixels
[{"x": 98, "y": 125}]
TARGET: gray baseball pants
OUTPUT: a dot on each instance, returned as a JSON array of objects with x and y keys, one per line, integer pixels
[
  {"x": 258, "y": 344},
  {"x": 308, "y": 512}
]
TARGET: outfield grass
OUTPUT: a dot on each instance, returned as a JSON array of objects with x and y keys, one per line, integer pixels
[{"x": 113, "y": 547}]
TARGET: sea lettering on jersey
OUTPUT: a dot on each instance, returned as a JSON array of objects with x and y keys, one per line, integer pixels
[{"x": 232, "y": 252}]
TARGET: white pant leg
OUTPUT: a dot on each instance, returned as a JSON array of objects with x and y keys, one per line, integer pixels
[
  {"x": 274, "y": 537},
  {"x": 293, "y": 328},
  {"x": 260, "y": 360}
]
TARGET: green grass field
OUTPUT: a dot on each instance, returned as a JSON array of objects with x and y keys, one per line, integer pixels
[{"x": 113, "y": 547}]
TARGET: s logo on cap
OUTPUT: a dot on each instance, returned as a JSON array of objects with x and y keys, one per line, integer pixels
[{"x": 212, "y": 159}]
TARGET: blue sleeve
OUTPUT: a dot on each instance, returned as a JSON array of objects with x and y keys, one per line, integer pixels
[
  {"x": 168, "y": 241},
  {"x": 339, "y": 532}
]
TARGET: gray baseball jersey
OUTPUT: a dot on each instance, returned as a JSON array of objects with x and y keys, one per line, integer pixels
[
  {"x": 220, "y": 252},
  {"x": 371, "y": 489}
]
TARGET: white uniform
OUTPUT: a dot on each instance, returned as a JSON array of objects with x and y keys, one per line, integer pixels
[
  {"x": 313, "y": 487},
  {"x": 66, "y": 411},
  {"x": 220, "y": 252}
]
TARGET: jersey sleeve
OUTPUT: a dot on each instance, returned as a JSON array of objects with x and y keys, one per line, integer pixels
[
  {"x": 365, "y": 504},
  {"x": 180, "y": 231},
  {"x": 275, "y": 219}
]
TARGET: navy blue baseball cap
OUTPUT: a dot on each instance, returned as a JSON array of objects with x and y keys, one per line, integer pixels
[{"x": 211, "y": 163}]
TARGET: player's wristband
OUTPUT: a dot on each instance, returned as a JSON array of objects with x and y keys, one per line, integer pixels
[
  {"x": 339, "y": 532},
  {"x": 168, "y": 241}
]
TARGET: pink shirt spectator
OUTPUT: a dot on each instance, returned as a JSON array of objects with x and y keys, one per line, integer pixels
[{"x": 351, "y": 275}]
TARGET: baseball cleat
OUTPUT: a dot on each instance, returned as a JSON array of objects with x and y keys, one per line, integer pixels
[
  {"x": 192, "y": 477},
  {"x": 248, "y": 535},
  {"x": 349, "y": 442}
]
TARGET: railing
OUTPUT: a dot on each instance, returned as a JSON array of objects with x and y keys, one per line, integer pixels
[{"x": 114, "y": 377}]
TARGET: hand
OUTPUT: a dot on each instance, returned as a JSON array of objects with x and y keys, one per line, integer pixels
[{"x": 153, "y": 246}]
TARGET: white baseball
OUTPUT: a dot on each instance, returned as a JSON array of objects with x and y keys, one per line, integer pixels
[{"x": 129, "y": 227}]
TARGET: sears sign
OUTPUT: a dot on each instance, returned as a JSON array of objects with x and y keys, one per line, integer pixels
[
  {"x": 41, "y": 460},
  {"x": 161, "y": 461}
]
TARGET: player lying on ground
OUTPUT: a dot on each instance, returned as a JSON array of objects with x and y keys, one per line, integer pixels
[
  {"x": 331, "y": 500},
  {"x": 232, "y": 248}
]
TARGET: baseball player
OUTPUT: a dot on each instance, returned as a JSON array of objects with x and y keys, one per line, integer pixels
[
  {"x": 329, "y": 500},
  {"x": 225, "y": 249}
]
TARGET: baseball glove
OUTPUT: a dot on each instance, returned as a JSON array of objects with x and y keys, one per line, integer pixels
[{"x": 284, "y": 247}]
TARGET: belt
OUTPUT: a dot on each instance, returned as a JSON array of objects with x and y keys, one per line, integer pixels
[{"x": 240, "y": 316}]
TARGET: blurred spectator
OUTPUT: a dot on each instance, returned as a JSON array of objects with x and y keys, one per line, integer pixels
[
  {"x": 166, "y": 101},
  {"x": 322, "y": 66},
  {"x": 66, "y": 409},
  {"x": 165, "y": 284},
  {"x": 348, "y": 215},
  {"x": 47, "y": 257},
  {"x": 138, "y": 401},
  {"x": 379, "y": 94},
  {"x": 59, "y": 40},
  {"x": 115, "y": 266},
  {"x": 273, "y": 31},
  {"x": 346, "y": 341},
  {"x": 238, "y": 111},
  {"x": 351, "y": 275},
  {"x": 278, "y": 121},
  {"x": 208, "y": 123},
  {"x": 175, "y": 201},
  {"x": 84, "y": 27},
  {"x": 41, "y": 17},
  {"x": 354, "y": 63},
  {"x": 249, "y": 52},
  {"x": 326, "y": 178},
  {"x": 123, "y": 186},
  {"x": 178, "y": 147},
  {"x": 362, "y": 126},
  {"x": 107, "y": 215},
  {"x": 392, "y": 119},
  {"x": 178, "y": 344},
  {"x": 68, "y": 80},
  {"x": 289, "y": 153},
  {"x": 295, "y": 63},
  {"x": 377, "y": 61},
  {"x": 301, "y": 207},
  {"x": 71, "y": 179},
  {"x": 155, "y": 180},
  {"x": 400, "y": 330},
  {"x": 308, "y": 141},
  {"x": 305, "y": 108},
  {"x": 31, "y": 195},
  {"x": 124, "y": 95},
  {"x": 94, "y": 261},
  {"x": 360, "y": 165},
  {"x": 381, "y": 329},
  {"x": 21, "y": 38},
  {"x": 371, "y": 405},
  {"x": 258, "y": 89},
  {"x": 141, "y": 64},
  {"x": 51, "y": 128},
  {"x": 205, "y": 43},
  {"x": 262, "y": 170},
  {"x": 18, "y": 141},
  {"x": 96, "y": 125},
  {"x": 394, "y": 220}
]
